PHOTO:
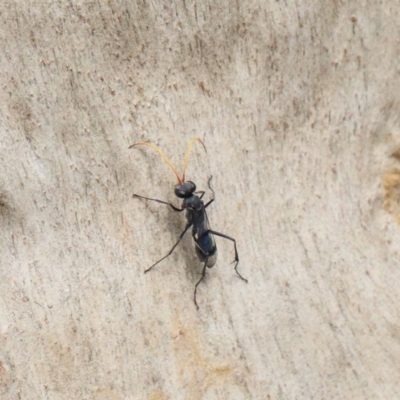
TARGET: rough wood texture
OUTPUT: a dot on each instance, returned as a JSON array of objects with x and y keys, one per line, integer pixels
[{"x": 298, "y": 104}]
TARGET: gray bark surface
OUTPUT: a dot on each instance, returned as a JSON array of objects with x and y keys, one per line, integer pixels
[{"x": 298, "y": 104}]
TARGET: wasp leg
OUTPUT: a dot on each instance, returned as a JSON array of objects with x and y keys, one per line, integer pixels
[
  {"x": 206, "y": 205},
  {"x": 209, "y": 185},
  {"x": 213, "y": 193},
  {"x": 236, "y": 260},
  {"x": 202, "y": 193},
  {"x": 203, "y": 274},
  {"x": 173, "y": 248},
  {"x": 159, "y": 201},
  {"x": 207, "y": 256}
]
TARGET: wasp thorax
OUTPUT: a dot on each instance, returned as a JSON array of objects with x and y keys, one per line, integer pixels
[{"x": 185, "y": 189}]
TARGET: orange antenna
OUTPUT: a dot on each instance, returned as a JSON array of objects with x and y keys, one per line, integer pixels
[
  {"x": 187, "y": 155},
  {"x": 162, "y": 155}
]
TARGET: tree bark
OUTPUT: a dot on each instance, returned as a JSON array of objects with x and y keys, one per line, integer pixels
[{"x": 298, "y": 105}]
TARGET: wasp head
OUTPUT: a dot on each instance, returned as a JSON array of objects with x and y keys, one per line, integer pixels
[{"x": 185, "y": 189}]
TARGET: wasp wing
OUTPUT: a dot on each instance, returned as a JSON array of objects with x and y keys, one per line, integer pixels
[{"x": 206, "y": 248}]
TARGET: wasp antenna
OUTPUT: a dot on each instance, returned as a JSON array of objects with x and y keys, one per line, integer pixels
[
  {"x": 165, "y": 158},
  {"x": 188, "y": 152}
]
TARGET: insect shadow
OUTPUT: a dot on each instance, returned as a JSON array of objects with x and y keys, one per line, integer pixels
[{"x": 196, "y": 217}]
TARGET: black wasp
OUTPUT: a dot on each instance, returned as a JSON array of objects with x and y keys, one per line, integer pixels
[{"x": 196, "y": 216}]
